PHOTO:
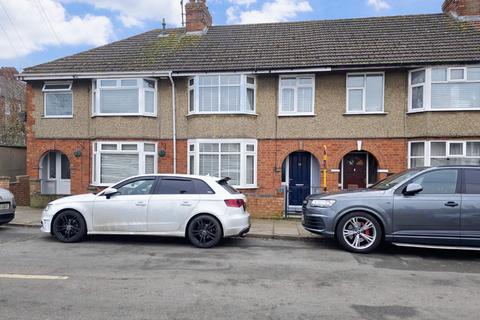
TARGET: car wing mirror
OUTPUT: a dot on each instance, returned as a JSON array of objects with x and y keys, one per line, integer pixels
[
  {"x": 108, "y": 193},
  {"x": 412, "y": 188}
]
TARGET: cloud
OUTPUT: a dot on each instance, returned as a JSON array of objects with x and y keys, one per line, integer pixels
[
  {"x": 242, "y": 2},
  {"x": 27, "y": 26},
  {"x": 271, "y": 11},
  {"x": 134, "y": 13},
  {"x": 378, "y": 5}
]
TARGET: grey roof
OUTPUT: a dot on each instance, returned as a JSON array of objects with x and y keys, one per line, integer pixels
[{"x": 383, "y": 41}]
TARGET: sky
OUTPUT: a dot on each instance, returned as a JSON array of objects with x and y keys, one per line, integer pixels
[{"x": 38, "y": 31}]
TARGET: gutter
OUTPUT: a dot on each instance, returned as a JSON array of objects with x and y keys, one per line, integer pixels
[
  {"x": 90, "y": 75},
  {"x": 174, "y": 126}
]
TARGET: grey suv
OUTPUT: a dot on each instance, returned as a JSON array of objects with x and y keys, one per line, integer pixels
[
  {"x": 437, "y": 206},
  {"x": 7, "y": 206}
]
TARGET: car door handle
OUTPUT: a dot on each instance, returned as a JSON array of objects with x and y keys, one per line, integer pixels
[
  {"x": 140, "y": 204},
  {"x": 186, "y": 204},
  {"x": 451, "y": 204}
]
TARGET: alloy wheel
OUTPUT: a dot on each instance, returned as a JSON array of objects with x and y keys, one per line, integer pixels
[
  {"x": 67, "y": 227},
  {"x": 205, "y": 231},
  {"x": 359, "y": 232}
]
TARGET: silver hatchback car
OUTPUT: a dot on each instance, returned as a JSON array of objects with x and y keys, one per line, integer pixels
[
  {"x": 437, "y": 206},
  {"x": 7, "y": 206}
]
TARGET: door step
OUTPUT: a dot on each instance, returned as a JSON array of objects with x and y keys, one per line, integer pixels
[{"x": 430, "y": 246}]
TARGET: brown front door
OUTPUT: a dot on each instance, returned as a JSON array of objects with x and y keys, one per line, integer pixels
[{"x": 355, "y": 171}]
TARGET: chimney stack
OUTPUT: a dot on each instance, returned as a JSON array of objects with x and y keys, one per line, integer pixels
[
  {"x": 463, "y": 10},
  {"x": 198, "y": 17}
]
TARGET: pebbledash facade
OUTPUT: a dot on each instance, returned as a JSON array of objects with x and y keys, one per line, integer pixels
[{"x": 304, "y": 106}]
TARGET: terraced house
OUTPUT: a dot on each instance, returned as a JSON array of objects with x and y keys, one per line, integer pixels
[{"x": 304, "y": 106}]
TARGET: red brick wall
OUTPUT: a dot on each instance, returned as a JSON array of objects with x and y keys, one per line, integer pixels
[
  {"x": 267, "y": 199},
  {"x": 20, "y": 189}
]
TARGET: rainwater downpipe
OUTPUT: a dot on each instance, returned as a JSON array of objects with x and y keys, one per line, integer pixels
[{"x": 174, "y": 126}]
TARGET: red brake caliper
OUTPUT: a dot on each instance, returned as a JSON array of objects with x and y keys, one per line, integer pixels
[{"x": 367, "y": 231}]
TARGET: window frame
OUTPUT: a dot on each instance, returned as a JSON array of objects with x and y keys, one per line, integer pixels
[
  {"x": 66, "y": 91},
  {"x": 295, "y": 112},
  {"x": 96, "y": 96},
  {"x": 244, "y": 85},
  {"x": 364, "y": 91},
  {"x": 97, "y": 152},
  {"x": 244, "y": 154},
  {"x": 427, "y": 89},
  {"x": 428, "y": 151}
]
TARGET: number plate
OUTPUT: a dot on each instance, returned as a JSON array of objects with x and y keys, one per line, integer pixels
[{"x": 4, "y": 206}]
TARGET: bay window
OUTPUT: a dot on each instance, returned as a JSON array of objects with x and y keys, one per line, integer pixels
[
  {"x": 233, "y": 158},
  {"x": 58, "y": 100},
  {"x": 297, "y": 95},
  {"x": 445, "y": 88},
  {"x": 225, "y": 93},
  {"x": 115, "y": 161},
  {"x": 112, "y": 97},
  {"x": 365, "y": 93},
  {"x": 439, "y": 153}
]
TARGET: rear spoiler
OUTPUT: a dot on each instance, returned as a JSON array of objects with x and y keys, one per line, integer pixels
[{"x": 225, "y": 179}]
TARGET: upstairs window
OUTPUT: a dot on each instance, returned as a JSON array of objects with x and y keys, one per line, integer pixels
[
  {"x": 114, "y": 97},
  {"x": 222, "y": 94},
  {"x": 445, "y": 88},
  {"x": 297, "y": 95},
  {"x": 365, "y": 93},
  {"x": 58, "y": 100}
]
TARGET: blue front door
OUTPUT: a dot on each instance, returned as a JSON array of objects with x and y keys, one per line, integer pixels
[{"x": 299, "y": 177}]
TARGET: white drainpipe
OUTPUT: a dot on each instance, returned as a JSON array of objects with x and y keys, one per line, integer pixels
[{"x": 174, "y": 124}]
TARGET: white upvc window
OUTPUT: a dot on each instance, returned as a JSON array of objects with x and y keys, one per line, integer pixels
[
  {"x": 444, "y": 88},
  {"x": 438, "y": 153},
  {"x": 114, "y": 161},
  {"x": 222, "y": 93},
  {"x": 58, "y": 100},
  {"x": 365, "y": 92},
  {"x": 233, "y": 158},
  {"x": 124, "y": 97},
  {"x": 296, "y": 95}
]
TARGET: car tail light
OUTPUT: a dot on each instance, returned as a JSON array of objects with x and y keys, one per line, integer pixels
[{"x": 236, "y": 203}]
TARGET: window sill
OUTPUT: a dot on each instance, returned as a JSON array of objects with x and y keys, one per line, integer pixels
[
  {"x": 246, "y": 188},
  {"x": 296, "y": 115},
  {"x": 248, "y": 114},
  {"x": 365, "y": 113},
  {"x": 57, "y": 117},
  {"x": 102, "y": 185},
  {"x": 125, "y": 115},
  {"x": 442, "y": 110}
]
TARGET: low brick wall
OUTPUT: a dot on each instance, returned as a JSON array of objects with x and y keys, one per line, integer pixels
[{"x": 20, "y": 189}]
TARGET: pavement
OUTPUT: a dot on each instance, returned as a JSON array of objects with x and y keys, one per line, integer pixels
[
  {"x": 161, "y": 278},
  {"x": 287, "y": 229}
]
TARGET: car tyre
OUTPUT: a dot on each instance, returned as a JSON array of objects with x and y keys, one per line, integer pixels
[
  {"x": 204, "y": 231},
  {"x": 359, "y": 232},
  {"x": 69, "y": 226}
]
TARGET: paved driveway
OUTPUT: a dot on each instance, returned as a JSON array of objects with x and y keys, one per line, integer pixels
[{"x": 161, "y": 278}]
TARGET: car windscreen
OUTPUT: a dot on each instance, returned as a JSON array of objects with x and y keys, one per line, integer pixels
[
  {"x": 228, "y": 187},
  {"x": 395, "y": 179}
]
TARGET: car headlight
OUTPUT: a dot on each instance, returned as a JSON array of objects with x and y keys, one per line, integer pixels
[{"x": 322, "y": 203}]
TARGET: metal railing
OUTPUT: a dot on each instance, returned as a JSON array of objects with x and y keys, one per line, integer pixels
[{"x": 293, "y": 197}]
